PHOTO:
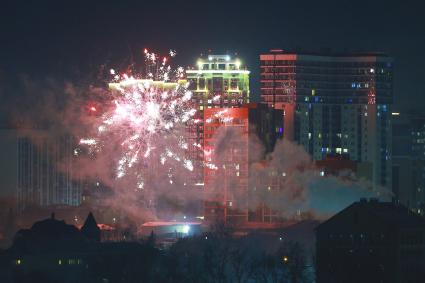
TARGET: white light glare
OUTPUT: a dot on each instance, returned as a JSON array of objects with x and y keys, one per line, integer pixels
[{"x": 186, "y": 229}]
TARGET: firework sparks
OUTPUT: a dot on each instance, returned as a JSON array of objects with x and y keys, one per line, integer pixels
[
  {"x": 88, "y": 141},
  {"x": 146, "y": 118}
]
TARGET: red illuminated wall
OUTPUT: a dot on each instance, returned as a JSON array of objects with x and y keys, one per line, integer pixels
[{"x": 226, "y": 169}]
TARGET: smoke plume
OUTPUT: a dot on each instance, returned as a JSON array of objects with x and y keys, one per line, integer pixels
[{"x": 284, "y": 180}]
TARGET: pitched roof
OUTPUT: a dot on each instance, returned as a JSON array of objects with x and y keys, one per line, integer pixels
[
  {"x": 90, "y": 221},
  {"x": 389, "y": 212}
]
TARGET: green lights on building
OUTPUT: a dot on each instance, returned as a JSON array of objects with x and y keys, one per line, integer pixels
[{"x": 219, "y": 81}]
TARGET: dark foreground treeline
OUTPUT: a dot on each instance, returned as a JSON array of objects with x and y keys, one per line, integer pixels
[
  {"x": 218, "y": 258},
  {"x": 212, "y": 257}
]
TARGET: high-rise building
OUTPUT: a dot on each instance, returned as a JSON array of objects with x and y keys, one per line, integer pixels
[
  {"x": 334, "y": 104},
  {"x": 37, "y": 169},
  {"x": 228, "y": 127},
  {"x": 226, "y": 164},
  {"x": 217, "y": 81},
  {"x": 230, "y": 144},
  {"x": 45, "y": 174},
  {"x": 408, "y": 162}
]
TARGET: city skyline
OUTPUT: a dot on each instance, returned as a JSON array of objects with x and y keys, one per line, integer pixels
[
  {"x": 225, "y": 141},
  {"x": 218, "y": 83}
]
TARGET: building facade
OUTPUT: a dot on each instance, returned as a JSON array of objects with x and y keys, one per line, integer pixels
[
  {"x": 45, "y": 173},
  {"x": 371, "y": 241},
  {"x": 334, "y": 104},
  {"x": 217, "y": 81},
  {"x": 226, "y": 164},
  {"x": 409, "y": 160},
  {"x": 231, "y": 140}
]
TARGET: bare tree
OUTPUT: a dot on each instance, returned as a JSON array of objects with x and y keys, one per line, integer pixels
[{"x": 240, "y": 263}]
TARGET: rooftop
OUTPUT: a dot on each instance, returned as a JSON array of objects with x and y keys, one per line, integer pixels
[
  {"x": 218, "y": 63},
  {"x": 327, "y": 52},
  {"x": 391, "y": 213}
]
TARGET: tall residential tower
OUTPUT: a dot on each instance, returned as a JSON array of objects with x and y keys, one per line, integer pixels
[
  {"x": 334, "y": 104},
  {"x": 218, "y": 81},
  {"x": 408, "y": 163}
]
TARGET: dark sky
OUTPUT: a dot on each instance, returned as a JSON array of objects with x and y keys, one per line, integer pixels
[{"x": 71, "y": 40}]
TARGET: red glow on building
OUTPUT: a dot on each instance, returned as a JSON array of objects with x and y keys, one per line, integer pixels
[{"x": 226, "y": 156}]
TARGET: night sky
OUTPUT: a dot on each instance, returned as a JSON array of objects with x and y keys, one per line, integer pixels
[{"x": 73, "y": 40}]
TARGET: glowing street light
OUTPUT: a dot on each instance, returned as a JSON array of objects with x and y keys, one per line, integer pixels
[{"x": 186, "y": 229}]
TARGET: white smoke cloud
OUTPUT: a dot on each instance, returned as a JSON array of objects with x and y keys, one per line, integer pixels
[{"x": 302, "y": 189}]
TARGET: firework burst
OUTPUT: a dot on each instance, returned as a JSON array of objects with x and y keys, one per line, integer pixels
[{"x": 145, "y": 123}]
